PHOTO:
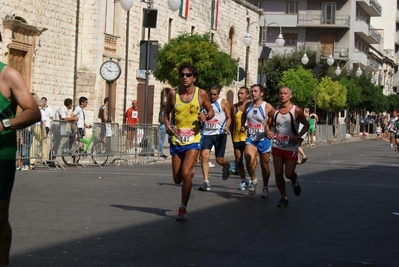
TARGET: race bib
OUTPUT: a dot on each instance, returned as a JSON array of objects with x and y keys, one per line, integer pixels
[
  {"x": 134, "y": 114},
  {"x": 185, "y": 135},
  {"x": 211, "y": 124},
  {"x": 281, "y": 140},
  {"x": 254, "y": 128}
]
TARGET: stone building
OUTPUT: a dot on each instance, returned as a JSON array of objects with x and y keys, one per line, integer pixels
[{"x": 59, "y": 46}]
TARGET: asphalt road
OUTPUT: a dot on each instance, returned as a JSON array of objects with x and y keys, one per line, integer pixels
[{"x": 347, "y": 215}]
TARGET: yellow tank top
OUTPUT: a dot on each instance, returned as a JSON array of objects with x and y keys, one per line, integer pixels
[
  {"x": 185, "y": 120},
  {"x": 238, "y": 136}
]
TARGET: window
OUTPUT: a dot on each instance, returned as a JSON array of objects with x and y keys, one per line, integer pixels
[
  {"x": 290, "y": 39},
  {"x": 328, "y": 12},
  {"x": 109, "y": 17},
  {"x": 258, "y": 4},
  {"x": 291, "y": 7}
]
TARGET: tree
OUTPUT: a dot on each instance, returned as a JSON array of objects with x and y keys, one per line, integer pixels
[
  {"x": 372, "y": 97},
  {"x": 303, "y": 85},
  {"x": 331, "y": 96},
  {"x": 214, "y": 66},
  {"x": 279, "y": 63},
  {"x": 353, "y": 95},
  {"x": 393, "y": 102}
]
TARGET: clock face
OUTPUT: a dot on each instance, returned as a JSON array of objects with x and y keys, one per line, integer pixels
[{"x": 110, "y": 70}]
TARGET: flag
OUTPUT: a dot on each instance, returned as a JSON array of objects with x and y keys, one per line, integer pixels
[
  {"x": 184, "y": 7},
  {"x": 215, "y": 14}
]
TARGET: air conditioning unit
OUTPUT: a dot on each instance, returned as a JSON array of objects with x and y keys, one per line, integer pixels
[{"x": 344, "y": 52}]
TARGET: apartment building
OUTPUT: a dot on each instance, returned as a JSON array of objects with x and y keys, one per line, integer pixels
[
  {"x": 343, "y": 29},
  {"x": 59, "y": 46},
  {"x": 388, "y": 26}
]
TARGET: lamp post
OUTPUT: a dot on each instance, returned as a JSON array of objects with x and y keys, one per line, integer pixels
[
  {"x": 248, "y": 41},
  {"x": 330, "y": 59},
  {"x": 127, "y": 5}
]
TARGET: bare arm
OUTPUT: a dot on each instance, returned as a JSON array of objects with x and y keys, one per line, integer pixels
[
  {"x": 170, "y": 102},
  {"x": 12, "y": 86},
  {"x": 206, "y": 104},
  {"x": 302, "y": 119},
  {"x": 269, "y": 110},
  {"x": 244, "y": 117},
  {"x": 226, "y": 109},
  {"x": 232, "y": 125}
]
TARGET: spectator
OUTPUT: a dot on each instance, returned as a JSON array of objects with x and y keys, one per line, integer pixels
[
  {"x": 132, "y": 119},
  {"x": 162, "y": 132}
]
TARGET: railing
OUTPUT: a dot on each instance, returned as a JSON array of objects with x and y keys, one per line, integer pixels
[
  {"x": 375, "y": 34},
  {"x": 377, "y": 5},
  {"x": 306, "y": 19}
]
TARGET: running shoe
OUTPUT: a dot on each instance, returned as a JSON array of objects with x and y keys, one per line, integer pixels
[
  {"x": 205, "y": 186},
  {"x": 182, "y": 215},
  {"x": 297, "y": 188},
  {"x": 226, "y": 172},
  {"x": 211, "y": 164},
  {"x": 252, "y": 188},
  {"x": 283, "y": 202},
  {"x": 265, "y": 192},
  {"x": 242, "y": 185}
]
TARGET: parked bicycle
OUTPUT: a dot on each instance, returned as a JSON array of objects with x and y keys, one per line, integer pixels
[{"x": 98, "y": 151}]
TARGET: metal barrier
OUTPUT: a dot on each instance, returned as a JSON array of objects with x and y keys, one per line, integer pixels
[
  {"x": 104, "y": 144},
  {"x": 32, "y": 148},
  {"x": 324, "y": 133},
  {"x": 342, "y": 129},
  {"x": 138, "y": 143}
]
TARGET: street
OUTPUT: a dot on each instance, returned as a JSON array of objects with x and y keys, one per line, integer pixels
[{"x": 347, "y": 215}]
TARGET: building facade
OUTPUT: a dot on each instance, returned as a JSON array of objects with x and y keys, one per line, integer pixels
[
  {"x": 59, "y": 46},
  {"x": 344, "y": 29}
]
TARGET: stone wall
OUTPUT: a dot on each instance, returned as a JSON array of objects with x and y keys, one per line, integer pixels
[{"x": 56, "y": 59}]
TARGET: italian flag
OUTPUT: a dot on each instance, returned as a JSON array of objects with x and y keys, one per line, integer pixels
[
  {"x": 215, "y": 14},
  {"x": 184, "y": 7}
]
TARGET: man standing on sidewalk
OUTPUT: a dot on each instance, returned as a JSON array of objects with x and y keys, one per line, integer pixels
[
  {"x": 215, "y": 134},
  {"x": 13, "y": 93},
  {"x": 185, "y": 103},
  {"x": 286, "y": 118},
  {"x": 256, "y": 116}
]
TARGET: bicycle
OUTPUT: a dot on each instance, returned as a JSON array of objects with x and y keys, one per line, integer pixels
[{"x": 76, "y": 152}]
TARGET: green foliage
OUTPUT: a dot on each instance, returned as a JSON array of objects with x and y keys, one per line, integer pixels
[
  {"x": 393, "y": 102},
  {"x": 372, "y": 97},
  {"x": 353, "y": 95},
  {"x": 275, "y": 67},
  {"x": 303, "y": 85},
  {"x": 331, "y": 95},
  {"x": 214, "y": 66}
]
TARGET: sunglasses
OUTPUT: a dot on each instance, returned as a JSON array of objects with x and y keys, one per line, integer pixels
[{"x": 188, "y": 74}]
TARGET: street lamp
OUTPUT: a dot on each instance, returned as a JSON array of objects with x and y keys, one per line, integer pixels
[
  {"x": 330, "y": 59},
  {"x": 248, "y": 38},
  {"x": 248, "y": 41},
  {"x": 127, "y": 5},
  {"x": 359, "y": 71}
]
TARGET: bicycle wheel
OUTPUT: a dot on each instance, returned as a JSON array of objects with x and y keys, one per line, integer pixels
[
  {"x": 99, "y": 153},
  {"x": 73, "y": 155}
]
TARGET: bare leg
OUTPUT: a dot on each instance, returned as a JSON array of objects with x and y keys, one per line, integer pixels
[
  {"x": 250, "y": 158},
  {"x": 5, "y": 233},
  {"x": 278, "y": 163},
  {"x": 205, "y": 153},
  {"x": 264, "y": 164}
]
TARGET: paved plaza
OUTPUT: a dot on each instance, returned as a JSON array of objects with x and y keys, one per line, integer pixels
[{"x": 347, "y": 215}]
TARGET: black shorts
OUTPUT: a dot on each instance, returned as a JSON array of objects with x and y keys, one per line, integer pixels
[
  {"x": 130, "y": 128},
  {"x": 217, "y": 140},
  {"x": 7, "y": 176},
  {"x": 239, "y": 145}
]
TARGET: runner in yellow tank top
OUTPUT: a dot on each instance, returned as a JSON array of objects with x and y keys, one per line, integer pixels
[
  {"x": 184, "y": 102},
  {"x": 238, "y": 136}
]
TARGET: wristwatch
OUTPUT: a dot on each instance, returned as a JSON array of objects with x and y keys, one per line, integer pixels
[
  {"x": 6, "y": 124},
  {"x": 207, "y": 116}
]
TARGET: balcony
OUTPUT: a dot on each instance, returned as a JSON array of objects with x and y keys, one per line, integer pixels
[
  {"x": 318, "y": 20},
  {"x": 284, "y": 20},
  {"x": 366, "y": 32},
  {"x": 372, "y": 7},
  {"x": 361, "y": 58}
]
